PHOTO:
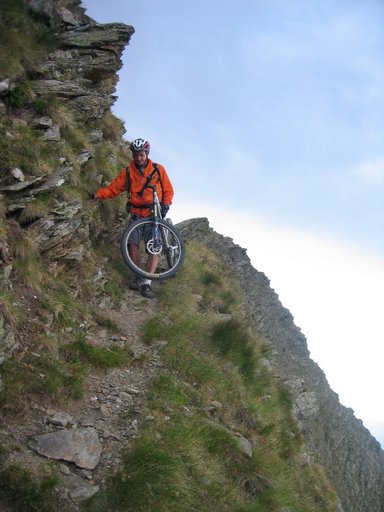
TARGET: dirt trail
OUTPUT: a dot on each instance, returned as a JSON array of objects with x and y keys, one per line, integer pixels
[{"x": 114, "y": 403}]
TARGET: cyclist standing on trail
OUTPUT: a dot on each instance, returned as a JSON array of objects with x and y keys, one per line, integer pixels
[{"x": 141, "y": 172}]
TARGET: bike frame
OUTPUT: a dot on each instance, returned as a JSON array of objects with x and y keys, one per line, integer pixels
[{"x": 156, "y": 241}]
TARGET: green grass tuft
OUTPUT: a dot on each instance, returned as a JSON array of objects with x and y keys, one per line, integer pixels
[
  {"x": 24, "y": 492},
  {"x": 24, "y": 41},
  {"x": 39, "y": 375},
  {"x": 25, "y": 148},
  {"x": 61, "y": 305},
  {"x": 166, "y": 390},
  {"x": 102, "y": 357},
  {"x": 149, "y": 480},
  {"x": 232, "y": 339},
  {"x": 208, "y": 278}
]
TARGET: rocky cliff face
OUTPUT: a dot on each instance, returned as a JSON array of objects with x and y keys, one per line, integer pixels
[
  {"x": 75, "y": 85},
  {"x": 333, "y": 436},
  {"x": 83, "y": 69},
  {"x": 71, "y": 90}
]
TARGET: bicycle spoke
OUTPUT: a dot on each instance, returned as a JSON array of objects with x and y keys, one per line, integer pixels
[{"x": 152, "y": 250}]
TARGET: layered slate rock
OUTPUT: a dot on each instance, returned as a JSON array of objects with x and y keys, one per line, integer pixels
[
  {"x": 82, "y": 446},
  {"x": 82, "y": 73},
  {"x": 82, "y": 70}
]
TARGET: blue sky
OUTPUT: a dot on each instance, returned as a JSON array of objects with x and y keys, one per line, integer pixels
[{"x": 268, "y": 115}]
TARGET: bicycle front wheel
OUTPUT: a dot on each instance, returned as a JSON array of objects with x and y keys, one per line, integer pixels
[{"x": 146, "y": 241}]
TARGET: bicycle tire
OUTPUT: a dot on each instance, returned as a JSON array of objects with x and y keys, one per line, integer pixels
[{"x": 169, "y": 246}]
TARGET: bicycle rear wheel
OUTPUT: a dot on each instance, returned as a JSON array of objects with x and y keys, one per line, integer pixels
[{"x": 160, "y": 239}]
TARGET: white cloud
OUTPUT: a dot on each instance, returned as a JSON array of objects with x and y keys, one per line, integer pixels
[{"x": 372, "y": 171}]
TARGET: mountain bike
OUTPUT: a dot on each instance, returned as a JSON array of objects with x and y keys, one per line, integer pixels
[{"x": 156, "y": 238}]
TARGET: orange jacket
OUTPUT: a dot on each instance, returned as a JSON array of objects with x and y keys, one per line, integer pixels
[{"x": 137, "y": 181}]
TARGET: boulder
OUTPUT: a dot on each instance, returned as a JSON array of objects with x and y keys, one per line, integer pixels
[{"x": 82, "y": 446}]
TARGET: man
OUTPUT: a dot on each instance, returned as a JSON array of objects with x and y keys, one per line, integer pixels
[{"x": 140, "y": 172}]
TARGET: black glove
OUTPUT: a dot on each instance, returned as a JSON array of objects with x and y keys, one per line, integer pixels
[
  {"x": 164, "y": 210},
  {"x": 91, "y": 195}
]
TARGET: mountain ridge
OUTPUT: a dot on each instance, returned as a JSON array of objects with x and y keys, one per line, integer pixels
[
  {"x": 316, "y": 407},
  {"x": 62, "y": 286}
]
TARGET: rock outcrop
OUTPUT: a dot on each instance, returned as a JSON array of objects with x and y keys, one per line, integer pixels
[
  {"x": 81, "y": 74},
  {"x": 81, "y": 446},
  {"x": 333, "y": 436}
]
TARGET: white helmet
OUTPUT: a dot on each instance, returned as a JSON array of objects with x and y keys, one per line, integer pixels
[{"x": 140, "y": 145}]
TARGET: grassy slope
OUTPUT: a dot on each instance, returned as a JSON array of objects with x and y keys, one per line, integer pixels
[{"x": 215, "y": 383}]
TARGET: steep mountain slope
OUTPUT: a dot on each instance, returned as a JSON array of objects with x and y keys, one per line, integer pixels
[
  {"x": 333, "y": 436},
  {"x": 204, "y": 399}
]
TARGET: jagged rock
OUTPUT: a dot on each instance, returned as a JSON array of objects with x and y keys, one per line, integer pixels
[
  {"x": 83, "y": 492},
  {"x": 64, "y": 89},
  {"x": 104, "y": 411},
  {"x": 87, "y": 474},
  {"x": 68, "y": 17},
  {"x": 56, "y": 179},
  {"x": 42, "y": 123},
  {"x": 66, "y": 211},
  {"x": 213, "y": 406},
  {"x": 64, "y": 469},
  {"x": 91, "y": 106},
  {"x": 125, "y": 397},
  {"x": 61, "y": 419},
  {"x": 89, "y": 54},
  {"x": 59, "y": 236},
  {"x": 14, "y": 207},
  {"x": 107, "y": 36},
  {"x": 84, "y": 101},
  {"x": 95, "y": 136},
  {"x": 244, "y": 444},
  {"x": 17, "y": 122},
  {"x": 84, "y": 156},
  {"x": 21, "y": 185},
  {"x": 59, "y": 240},
  {"x": 305, "y": 405},
  {"x": 52, "y": 134},
  {"x": 133, "y": 391},
  {"x": 56, "y": 12},
  {"x": 81, "y": 446},
  {"x": 75, "y": 63},
  {"x": 8, "y": 342},
  {"x": 44, "y": 8},
  {"x": 5, "y": 85},
  {"x": 18, "y": 174}
]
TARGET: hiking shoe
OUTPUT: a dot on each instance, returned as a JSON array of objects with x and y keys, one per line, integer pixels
[
  {"x": 136, "y": 283},
  {"x": 146, "y": 291}
]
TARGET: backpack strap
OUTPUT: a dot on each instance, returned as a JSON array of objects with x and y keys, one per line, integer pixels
[
  {"x": 156, "y": 169},
  {"x": 150, "y": 178},
  {"x": 148, "y": 181},
  {"x": 128, "y": 181}
]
